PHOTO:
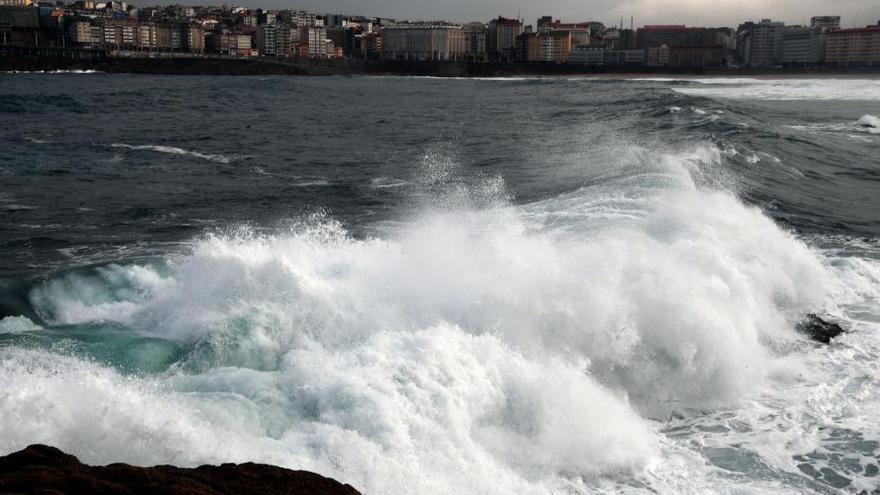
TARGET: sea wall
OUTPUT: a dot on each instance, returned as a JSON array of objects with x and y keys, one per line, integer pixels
[{"x": 51, "y": 59}]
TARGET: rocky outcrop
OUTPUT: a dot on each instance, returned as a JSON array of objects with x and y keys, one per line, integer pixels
[
  {"x": 818, "y": 329},
  {"x": 47, "y": 470}
]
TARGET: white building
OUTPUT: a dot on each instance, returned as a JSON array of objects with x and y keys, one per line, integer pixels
[
  {"x": 801, "y": 45},
  {"x": 761, "y": 44},
  {"x": 424, "y": 41},
  {"x": 316, "y": 37}
]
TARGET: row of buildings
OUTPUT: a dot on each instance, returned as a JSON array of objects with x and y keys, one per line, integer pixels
[
  {"x": 753, "y": 44},
  {"x": 196, "y": 31},
  {"x": 768, "y": 43}
]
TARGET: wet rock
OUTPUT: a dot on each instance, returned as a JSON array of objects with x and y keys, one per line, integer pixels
[
  {"x": 47, "y": 470},
  {"x": 818, "y": 329}
]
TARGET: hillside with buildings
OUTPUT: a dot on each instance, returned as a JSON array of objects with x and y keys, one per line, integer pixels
[{"x": 86, "y": 30}]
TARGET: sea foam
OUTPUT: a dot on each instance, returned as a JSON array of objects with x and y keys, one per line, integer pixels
[
  {"x": 173, "y": 150},
  {"x": 481, "y": 347}
]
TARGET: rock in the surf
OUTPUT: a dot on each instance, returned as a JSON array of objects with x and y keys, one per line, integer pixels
[
  {"x": 42, "y": 469},
  {"x": 818, "y": 329}
]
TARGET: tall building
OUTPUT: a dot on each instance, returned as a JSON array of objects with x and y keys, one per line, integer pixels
[
  {"x": 266, "y": 35},
  {"x": 826, "y": 23},
  {"x": 547, "y": 46},
  {"x": 194, "y": 37},
  {"x": 335, "y": 20},
  {"x": 424, "y": 41},
  {"x": 315, "y": 38},
  {"x": 853, "y": 46},
  {"x": 475, "y": 34},
  {"x": 343, "y": 39},
  {"x": 284, "y": 38},
  {"x": 307, "y": 19},
  {"x": 801, "y": 45},
  {"x": 501, "y": 41},
  {"x": 760, "y": 44}
]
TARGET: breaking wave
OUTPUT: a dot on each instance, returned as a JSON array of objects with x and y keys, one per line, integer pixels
[
  {"x": 870, "y": 123},
  {"x": 781, "y": 89},
  {"x": 481, "y": 347}
]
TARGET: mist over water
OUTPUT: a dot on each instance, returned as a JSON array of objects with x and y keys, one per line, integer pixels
[{"x": 595, "y": 290}]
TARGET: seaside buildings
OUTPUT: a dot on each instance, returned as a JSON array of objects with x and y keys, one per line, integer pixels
[
  {"x": 760, "y": 44},
  {"x": 475, "y": 39},
  {"x": 853, "y": 46},
  {"x": 118, "y": 29},
  {"x": 501, "y": 42},
  {"x": 424, "y": 41},
  {"x": 801, "y": 45},
  {"x": 547, "y": 46}
]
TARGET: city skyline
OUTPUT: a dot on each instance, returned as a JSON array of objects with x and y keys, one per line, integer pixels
[{"x": 854, "y": 13}]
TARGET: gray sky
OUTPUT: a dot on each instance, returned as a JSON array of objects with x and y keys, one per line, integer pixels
[{"x": 690, "y": 12}]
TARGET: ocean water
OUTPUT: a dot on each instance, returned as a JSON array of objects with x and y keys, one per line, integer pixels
[{"x": 446, "y": 286}]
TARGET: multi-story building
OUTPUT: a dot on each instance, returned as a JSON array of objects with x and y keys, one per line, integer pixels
[
  {"x": 657, "y": 56},
  {"x": 586, "y": 54},
  {"x": 696, "y": 57},
  {"x": 266, "y": 36},
  {"x": 335, "y": 20},
  {"x": 475, "y": 41},
  {"x": 826, "y": 23},
  {"x": 344, "y": 40},
  {"x": 617, "y": 39},
  {"x": 853, "y": 46},
  {"x": 194, "y": 39},
  {"x": 801, "y": 45},
  {"x": 19, "y": 25},
  {"x": 546, "y": 46},
  {"x": 285, "y": 36},
  {"x": 226, "y": 43},
  {"x": 371, "y": 45},
  {"x": 424, "y": 41},
  {"x": 600, "y": 56},
  {"x": 79, "y": 32},
  {"x": 676, "y": 36},
  {"x": 120, "y": 34},
  {"x": 315, "y": 37},
  {"x": 250, "y": 19},
  {"x": 760, "y": 44},
  {"x": 580, "y": 31},
  {"x": 502, "y": 35},
  {"x": 304, "y": 20}
]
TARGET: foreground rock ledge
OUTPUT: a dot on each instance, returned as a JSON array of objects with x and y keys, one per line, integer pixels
[{"x": 47, "y": 470}]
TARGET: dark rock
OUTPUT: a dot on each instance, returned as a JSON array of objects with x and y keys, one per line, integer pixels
[
  {"x": 818, "y": 329},
  {"x": 39, "y": 469}
]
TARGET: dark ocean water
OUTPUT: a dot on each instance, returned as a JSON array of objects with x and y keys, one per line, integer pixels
[{"x": 446, "y": 286}]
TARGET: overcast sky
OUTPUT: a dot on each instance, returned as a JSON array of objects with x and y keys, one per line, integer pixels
[{"x": 690, "y": 12}]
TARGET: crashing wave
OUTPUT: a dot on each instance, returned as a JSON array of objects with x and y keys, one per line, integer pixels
[
  {"x": 481, "y": 347},
  {"x": 869, "y": 123}
]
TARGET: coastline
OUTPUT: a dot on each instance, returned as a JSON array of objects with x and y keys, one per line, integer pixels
[
  {"x": 97, "y": 61},
  {"x": 44, "y": 469}
]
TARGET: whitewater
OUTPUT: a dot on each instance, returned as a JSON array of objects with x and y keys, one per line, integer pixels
[{"x": 634, "y": 332}]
